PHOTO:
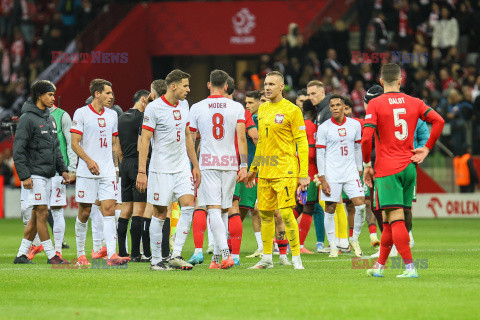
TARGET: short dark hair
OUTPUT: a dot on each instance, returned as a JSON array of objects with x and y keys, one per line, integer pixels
[
  {"x": 41, "y": 87},
  {"x": 255, "y": 94},
  {"x": 262, "y": 93},
  {"x": 348, "y": 103},
  {"x": 276, "y": 73},
  {"x": 98, "y": 85},
  {"x": 218, "y": 78},
  {"x": 302, "y": 92},
  {"x": 139, "y": 94},
  {"x": 391, "y": 72},
  {"x": 336, "y": 96},
  {"x": 176, "y": 76},
  {"x": 160, "y": 86},
  {"x": 230, "y": 85}
]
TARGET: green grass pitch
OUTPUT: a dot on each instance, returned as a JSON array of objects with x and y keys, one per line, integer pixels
[{"x": 327, "y": 289}]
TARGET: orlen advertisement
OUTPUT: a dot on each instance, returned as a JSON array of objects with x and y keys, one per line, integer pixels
[{"x": 447, "y": 205}]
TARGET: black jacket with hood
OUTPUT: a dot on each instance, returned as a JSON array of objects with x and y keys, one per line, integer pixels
[{"x": 36, "y": 150}]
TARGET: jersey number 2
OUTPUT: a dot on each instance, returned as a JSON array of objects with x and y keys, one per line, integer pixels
[
  {"x": 403, "y": 134},
  {"x": 218, "y": 130}
]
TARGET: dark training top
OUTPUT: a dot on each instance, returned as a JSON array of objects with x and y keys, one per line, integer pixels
[{"x": 129, "y": 129}]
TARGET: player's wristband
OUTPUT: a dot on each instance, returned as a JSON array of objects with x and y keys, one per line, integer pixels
[
  {"x": 243, "y": 165},
  {"x": 367, "y": 165},
  {"x": 142, "y": 172}
]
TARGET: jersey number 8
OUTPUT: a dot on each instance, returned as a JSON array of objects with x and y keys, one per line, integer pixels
[{"x": 217, "y": 130}]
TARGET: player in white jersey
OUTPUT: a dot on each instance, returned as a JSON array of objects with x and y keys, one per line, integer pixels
[
  {"x": 218, "y": 119},
  {"x": 339, "y": 163},
  {"x": 169, "y": 176},
  {"x": 95, "y": 141}
]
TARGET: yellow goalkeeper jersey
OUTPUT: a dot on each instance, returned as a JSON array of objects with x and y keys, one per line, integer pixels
[{"x": 280, "y": 128}]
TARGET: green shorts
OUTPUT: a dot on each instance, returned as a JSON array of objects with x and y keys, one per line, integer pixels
[
  {"x": 366, "y": 188},
  {"x": 247, "y": 197},
  {"x": 312, "y": 193},
  {"x": 396, "y": 191},
  {"x": 236, "y": 193}
]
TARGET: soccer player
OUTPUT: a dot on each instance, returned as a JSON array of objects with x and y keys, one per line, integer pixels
[
  {"x": 372, "y": 227},
  {"x": 281, "y": 136},
  {"x": 339, "y": 163},
  {"x": 394, "y": 116},
  {"x": 218, "y": 119},
  {"x": 301, "y": 97},
  {"x": 133, "y": 202},
  {"x": 166, "y": 123},
  {"x": 95, "y": 141},
  {"x": 37, "y": 157}
]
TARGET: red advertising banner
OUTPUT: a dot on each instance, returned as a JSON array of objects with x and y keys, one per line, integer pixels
[{"x": 221, "y": 28}]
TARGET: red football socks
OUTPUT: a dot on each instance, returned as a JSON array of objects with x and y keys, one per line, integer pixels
[
  {"x": 199, "y": 225},
  {"x": 304, "y": 227},
  {"x": 401, "y": 239},
  {"x": 372, "y": 228},
  {"x": 282, "y": 246},
  {"x": 235, "y": 228},
  {"x": 386, "y": 243}
]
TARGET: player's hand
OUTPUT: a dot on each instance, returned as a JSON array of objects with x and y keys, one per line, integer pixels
[
  {"x": 93, "y": 167},
  {"x": 326, "y": 188},
  {"x": 317, "y": 181},
  {"x": 250, "y": 179},
  {"x": 28, "y": 183},
  {"x": 72, "y": 176},
  {"x": 197, "y": 177},
  {"x": 242, "y": 174},
  {"x": 117, "y": 172},
  {"x": 66, "y": 178},
  {"x": 303, "y": 184},
  {"x": 142, "y": 181},
  {"x": 420, "y": 154},
  {"x": 368, "y": 176}
]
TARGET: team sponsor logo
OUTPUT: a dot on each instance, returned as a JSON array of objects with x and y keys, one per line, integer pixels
[
  {"x": 156, "y": 196},
  {"x": 81, "y": 194},
  {"x": 177, "y": 115},
  {"x": 243, "y": 23},
  {"x": 342, "y": 132},
  {"x": 279, "y": 118},
  {"x": 146, "y": 119},
  {"x": 38, "y": 196},
  {"x": 101, "y": 122}
]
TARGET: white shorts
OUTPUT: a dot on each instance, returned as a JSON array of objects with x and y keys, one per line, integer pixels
[
  {"x": 217, "y": 188},
  {"x": 353, "y": 189},
  {"x": 59, "y": 193},
  {"x": 165, "y": 188},
  {"x": 118, "y": 191},
  {"x": 88, "y": 190},
  {"x": 40, "y": 193}
]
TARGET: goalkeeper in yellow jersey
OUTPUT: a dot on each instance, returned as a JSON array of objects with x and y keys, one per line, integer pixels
[{"x": 281, "y": 161}]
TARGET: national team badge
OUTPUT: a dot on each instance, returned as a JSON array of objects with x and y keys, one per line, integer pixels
[
  {"x": 177, "y": 115},
  {"x": 81, "y": 194},
  {"x": 155, "y": 196},
  {"x": 38, "y": 196},
  {"x": 101, "y": 122},
  {"x": 279, "y": 118},
  {"x": 342, "y": 132},
  {"x": 146, "y": 119}
]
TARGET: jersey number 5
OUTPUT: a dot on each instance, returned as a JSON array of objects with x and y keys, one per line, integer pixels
[
  {"x": 403, "y": 134},
  {"x": 218, "y": 130}
]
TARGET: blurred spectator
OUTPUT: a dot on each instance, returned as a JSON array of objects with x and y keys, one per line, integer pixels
[
  {"x": 464, "y": 15},
  {"x": 300, "y": 50},
  {"x": 465, "y": 174},
  {"x": 5, "y": 170},
  {"x": 293, "y": 32},
  {"x": 6, "y": 18},
  {"x": 69, "y": 9},
  {"x": 356, "y": 96},
  {"x": 445, "y": 33},
  {"x": 54, "y": 41},
  {"x": 342, "y": 38},
  {"x": 25, "y": 11},
  {"x": 364, "y": 10},
  {"x": 381, "y": 36},
  {"x": 5, "y": 61},
  {"x": 17, "y": 50},
  {"x": 85, "y": 14},
  {"x": 332, "y": 63}
]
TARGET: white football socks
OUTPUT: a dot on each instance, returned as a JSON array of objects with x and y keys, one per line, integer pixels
[
  {"x": 183, "y": 228},
  {"x": 218, "y": 230},
  {"x": 209, "y": 234},
  {"x": 48, "y": 247},
  {"x": 80, "y": 236},
  {"x": 156, "y": 227},
  {"x": 97, "y": 227},
  {"x": 58, "y": 228},
  {"x": 24, "y": 246},
  {"x": 258, "y": 237},
  {"x": 359, "y": 220},
  {"x": 329, "y": 221},
  {"x": 110, "y": 235}
]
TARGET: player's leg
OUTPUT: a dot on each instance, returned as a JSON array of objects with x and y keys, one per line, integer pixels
[
  {"x": 146, "y": 221},
  {"x": 136, "y": 228},
  {"x": 342, "y": 228},
  {"x": 235, "y": 230},
  {"x": 372, "y": 225},
  {"x": 267, "y": 204},
  {"x": 354, "y": 191},
  {"x": 329, "y": 221},
  {"x": 318, "y": 221},
  {"x": 122, "y": 226},
  {"x": 26, "y": 212},
  {"x": 96, "y": 217},
  {"x": 281, "y": 240},
  {"x": 304, "y": 225},
  {"x": 199, "y": 225},
  {"x": 29, "y": 234},
  {"x": 256, "y": 224},
  {"x": 58, "y": 200},
  {"x": 350, "y": 216},
  {"x": 408, "y": 225}
]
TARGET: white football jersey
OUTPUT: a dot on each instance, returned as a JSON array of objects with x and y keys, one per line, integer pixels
[
  {"x": 339, "y": 141},
  {"x": 168, "y": 123},
  {"x": 97, "y": 130},
  {"x": 216, "y": 119}
]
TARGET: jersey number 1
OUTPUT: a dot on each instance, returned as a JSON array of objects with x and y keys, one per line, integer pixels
[
  {"x": 218, "y": 130},
  {"x": 403, "y": 134}
]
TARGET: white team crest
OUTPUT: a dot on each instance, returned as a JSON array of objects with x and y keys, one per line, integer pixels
[
  {"x": 177, "y": 115},
  {"x": 156, "y": 196},
  {"x": 243, "y": 22},
  {"x": 279, "y": 118},
  {"x": 101, "y": 122},
  {"x": 146, "y": 119},
  {"x": 342, "y": 132},
  {"x": 81, "y": 194},
  {"x": 38, "y": 196}
]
